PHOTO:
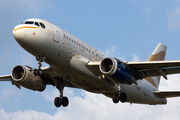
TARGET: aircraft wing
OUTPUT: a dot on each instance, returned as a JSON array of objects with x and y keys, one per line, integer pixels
[
  {"x": 5, "y": 78},
  {"x": 48, "y": 75},
  {"x": 167, "y": 94},
  {"x": 154, "y": 68},
  {"x": 8, "y": 78},
  {"x": 145, "y": 69}
]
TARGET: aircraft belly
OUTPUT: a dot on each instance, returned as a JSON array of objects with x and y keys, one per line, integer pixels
[
  {"x": 91, "y": 84},
  {"x": 140, "y": 94}
]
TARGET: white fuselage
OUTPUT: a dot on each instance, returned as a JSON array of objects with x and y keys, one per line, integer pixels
[{"x": 58, "y": 46}]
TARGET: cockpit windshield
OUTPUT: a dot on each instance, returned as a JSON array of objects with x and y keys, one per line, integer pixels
[
  {"x": 29, "y": 22},
  {"x": 35, "y": 23},
  {"x": 42, "y": 25}
]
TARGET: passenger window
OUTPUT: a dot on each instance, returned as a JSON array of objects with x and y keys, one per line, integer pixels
[
  {"x": 29, "y": 22},
  {"x": 42, "y": 25},
  {"x": 36, "y": 23}
]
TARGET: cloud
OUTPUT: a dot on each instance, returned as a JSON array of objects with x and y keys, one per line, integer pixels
[
  {"x": 28, "y": 115},
  {"x": 174, "y": 19},
  {"x": 135, "y": 57},
  {"x": 97, "y": 106},
  {"x": 148, "y": 11},
  {"x": 110, "y": 51},
  {"x": 8, "y": 94},
  {"x": 113, "y": 52}
]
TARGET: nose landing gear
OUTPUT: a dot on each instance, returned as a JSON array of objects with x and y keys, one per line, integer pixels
[{"x": 40, "y": 60}]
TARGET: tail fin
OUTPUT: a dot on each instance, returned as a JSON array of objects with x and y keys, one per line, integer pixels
[{"x": 157, "y": 55}]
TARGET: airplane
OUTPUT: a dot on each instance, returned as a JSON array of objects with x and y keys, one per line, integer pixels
[{"x": 73, "y": 63}]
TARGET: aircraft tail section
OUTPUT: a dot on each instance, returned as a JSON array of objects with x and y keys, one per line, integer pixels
[{"x": 157, "y": 55}]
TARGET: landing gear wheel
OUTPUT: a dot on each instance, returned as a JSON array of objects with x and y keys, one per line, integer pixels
[
  {"x": 37, "y": 72},
  {"x": 57, "y": 102},
  {"x": 123, "y": 97},
  {"x": 64, "y": 101},
  {"x": 116, "y": 98},
  {"x": 120, "y": 97},
  {"x": 61, "y": 101}
]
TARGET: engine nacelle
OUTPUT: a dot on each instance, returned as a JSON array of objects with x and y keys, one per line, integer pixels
[
  {"x": 116, "y": 71},
  {"x": 24, "y": 76}
]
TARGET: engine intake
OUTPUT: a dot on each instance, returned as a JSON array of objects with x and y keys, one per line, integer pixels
[
  {"x": 24, "y": 76},
  {"x": 116, "y": 71}
]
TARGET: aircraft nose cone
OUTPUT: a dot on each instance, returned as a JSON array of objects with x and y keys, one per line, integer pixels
[{"x": 18, "y": 34}]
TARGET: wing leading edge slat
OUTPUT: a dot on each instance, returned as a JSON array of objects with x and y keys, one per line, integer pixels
[{"x": 151, "y": 64}]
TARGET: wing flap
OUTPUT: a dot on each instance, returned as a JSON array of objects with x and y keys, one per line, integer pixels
[
  {"x": 167, "y": 94},
  {"x": 154, "y": 68},
  {"x": 154, "y": 72}
]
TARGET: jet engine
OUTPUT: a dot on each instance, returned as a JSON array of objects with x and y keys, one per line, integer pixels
[
  {"x": 116, "y": 70},
  {"x": 24, "y": 76}
]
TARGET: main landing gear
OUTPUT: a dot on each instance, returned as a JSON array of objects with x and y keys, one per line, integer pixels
[
  {"x": 119, "y": 96},
  {"x": 62, "y": 100},
  {"x": 60, "y": 83},
  {"x": 40, "y": 59}
]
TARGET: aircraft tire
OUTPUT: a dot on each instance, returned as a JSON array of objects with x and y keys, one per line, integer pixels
[
  {"x": 115, "y": 98},
  {"x": 64, "y": 101},
  {"x": 57, "y": 102},
  {"x": 37, "y": 72},
  {"x": 123, "y": 97}
]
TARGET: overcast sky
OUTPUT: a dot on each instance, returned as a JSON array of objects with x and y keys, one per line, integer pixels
[{"x": 128, "y": 30}]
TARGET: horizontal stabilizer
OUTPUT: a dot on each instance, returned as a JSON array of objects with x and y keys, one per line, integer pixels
[{"x": 167, "y": 94}]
